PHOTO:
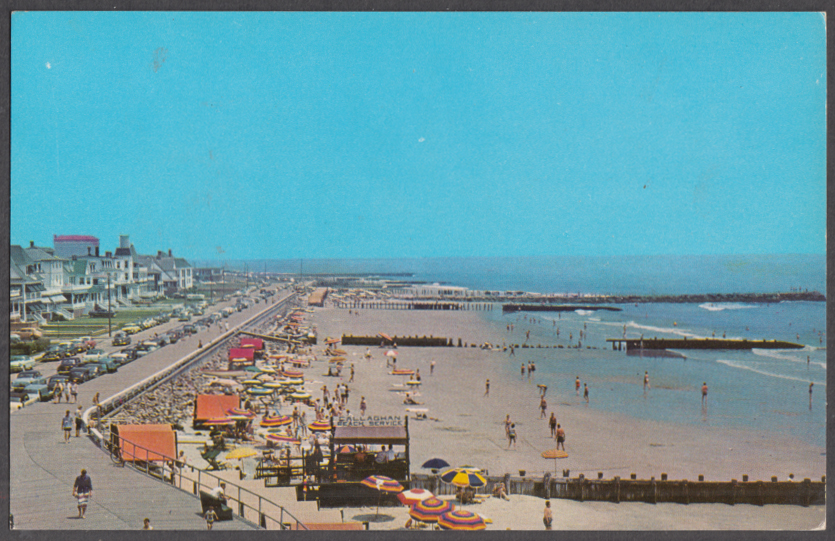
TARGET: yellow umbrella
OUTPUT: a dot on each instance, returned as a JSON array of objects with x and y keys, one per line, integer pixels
[{"x": 241, "y": 452}]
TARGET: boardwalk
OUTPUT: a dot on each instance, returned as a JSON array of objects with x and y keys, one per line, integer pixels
[{"x": 43, "y": 467}]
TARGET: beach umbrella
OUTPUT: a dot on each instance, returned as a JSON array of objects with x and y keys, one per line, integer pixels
[
  {"x": 268, "y": 369},
  {"x": 295, "y": 381},
  {"x": 278, "y": 438},
  {"x": 333, "y": 340},
  {"x": 319, "y": 426},
  {"x": 554, "y": 454},
  {"x": 411, "y": 497},
  {"x": 219, "y": 421},
  {"x": 251, "y": 382},
  {"x": 290, "y": 373},
  {"x": 340, "y": 351},
  {"x": 252, "y": 368},
  {"x": 260, "y": 391},
  {"x": 338, "y": 359},
  {"x": 435, "y": 463},
  {"x": 463, "y": 477},
  {"x": 382, "y": 484},
  {"x": 273, "y": 384},
  {"x": 391, "y": 353},
  {"x": 430, "y": 509},
  {"x": 412, "y": 382},
  {"x": 402, "y": 372},
  {"x": 240, "y": 412},
  {"x": 461, "y": 519},
  {"x": 269, "y": 421},
  {"x": 224, "y": 382},
  {"x": 384, "y": 335},
  {"x": 343, "y": 449},
  {"x": 241, "y": 452}
]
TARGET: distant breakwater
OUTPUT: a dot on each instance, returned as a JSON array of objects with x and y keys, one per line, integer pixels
[{"x": 554, "y": 308}]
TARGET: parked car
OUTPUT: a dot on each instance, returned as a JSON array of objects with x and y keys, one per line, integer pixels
[
  {"x": 80, "y": 374},
  {"x": 129, "y": 352},
  {"x": 17, "y": 399},
  {"x": 52, "y": 381},
  {"x": 76, "y": 347},
  {"x": 185, "y": 316},
  {"x": 147, "y": 347},
  {"x": 28, "y": 377},
  {"x": 105, "y": 365},
  {"x": 189, "y": 329},
  {"x": 88, "y": 340},
  {"x": 131, "y": 329},
  {"x": 148, "y": 323},
  {"x": 94, "y": 355},
  {"x": 41, "y": 390},
  {"x": 55, "y": 353},
  {"x": 29, "y": 333},
  {"x": 173, "y": 336},
  {"x": 14, "y": 338},
  {"x": 68, "y": 364},
  {"x": 121, "y": 339},
  {"x": 19, "y": 363},
  {"x": 120, "y": 358}
]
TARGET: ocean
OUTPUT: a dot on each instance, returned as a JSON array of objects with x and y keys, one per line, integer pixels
[{"x": 761, "y": 389}]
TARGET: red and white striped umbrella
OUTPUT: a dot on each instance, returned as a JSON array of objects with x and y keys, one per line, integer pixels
[{"x": 413, "y": 496}]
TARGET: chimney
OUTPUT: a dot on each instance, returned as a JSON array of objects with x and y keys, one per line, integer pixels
[
  {"x": 97, "y": 251},
  {"x": 124, "y": 241},
  {"x": 169, "y": 253},
  {"x": 74, "y": 257},
  {"x": 31, "y": 244},
  {"x": 108, "y": 255},
  {"x": 159, "y": 254}
]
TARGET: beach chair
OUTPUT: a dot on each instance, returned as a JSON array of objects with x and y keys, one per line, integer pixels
[
  {"x": 223, "y": 511},
  {"x": 210, "y": 456}
]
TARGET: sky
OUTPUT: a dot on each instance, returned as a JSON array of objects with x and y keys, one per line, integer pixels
[{"x": 372, "y": 135}]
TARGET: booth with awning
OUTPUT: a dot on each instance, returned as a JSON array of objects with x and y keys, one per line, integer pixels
[
  {"x": 213, "y": 406},
  {"x": 241, "y": 356},
  {"x": 145, "y": 443},
  {"x": 255, "y": 343}
]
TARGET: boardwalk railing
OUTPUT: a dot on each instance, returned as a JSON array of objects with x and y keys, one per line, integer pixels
[{"x": 245, "y": 503}]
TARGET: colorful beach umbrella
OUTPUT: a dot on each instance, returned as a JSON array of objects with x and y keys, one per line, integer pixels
[
  {"x": 240, "y": 412},
  {"x": 339, "y": 359},
  {"x": 270, "y": 421},
  {"x": 319, "y": 426},
  {"x": 413, "y": 496},
  {"x": 382, "y": 484},
  {"x": 219, "y": 421},
  {"x": 461, "y": 519},
  {"x": 251, "y": 382},
  {"x": 344, "y": 449},
  {"x": 260, "y": 391},
  {"x": 290, "y": 373},
  {"x": 283, "y": 439},
  {"x": 463, "y": 477},
  {"x": 391, "y": 353},
  {"x": 252, "y": 368},
  {"x": 430, "y": 509}
]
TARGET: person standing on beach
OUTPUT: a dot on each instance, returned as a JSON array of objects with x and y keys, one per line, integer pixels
[
  {"x": 547, "y": 517},
  {"x": 543, "y": 405},
  {"x": 704, "y": 394},
  {"x": 507, "y": 423},
  {"x": 810, "y": 396},
  {"x": 82, "y": 489},
  {"x": 586, "y": 392},
  {"x": 560, "y": 437},
  {"x": 577, "y": 386},
  {"x": 431, "y": 368},
  {"x": 646, "y": 380},
  {"x": 66, "y": 425},
  {"x": 363, "y": 406},
  {"x": 351, "y": 380},
  {"x": 523, "y": 368},
  {"x": 552, "y": 422},
  {"x": 487, "y": 388},
  {"x": 511, "y": 436}
]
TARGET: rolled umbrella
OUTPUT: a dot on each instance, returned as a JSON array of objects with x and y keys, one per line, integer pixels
[
  {"x": 429, "y": 510},
  {"x": 241, "y": 452},
  {"x": 269, "y": 421},
  {"x": 319, "y": 426},
  {"x": 382, "y": 484},
  {"x": 463, "y": 477},
  {"x": 461, "y": 519},
  {"x": 384, "y": 335},
  {"x": 413, "y": 496}
]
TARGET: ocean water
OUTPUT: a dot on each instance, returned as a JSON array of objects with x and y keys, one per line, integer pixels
[{"x": 761, "y": 389}]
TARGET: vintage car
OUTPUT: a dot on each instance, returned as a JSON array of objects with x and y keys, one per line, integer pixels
[
  {"x": 121, "y": 339},
  {"x": 28, "y": 377},
  {"x": 131, "y": 329},
  {"x": 18, "y": 363},
  {"x": 41, "y": 390},
  {"x": 94, "y": 355},
  {"x": 29, "y": 333},
  {"x": 68, "y": 364}
]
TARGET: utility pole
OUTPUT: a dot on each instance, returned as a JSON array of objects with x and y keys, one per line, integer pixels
[{"x": 109, "y": 312}]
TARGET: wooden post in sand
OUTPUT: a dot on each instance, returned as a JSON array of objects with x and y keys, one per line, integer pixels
[{"x": 617, "y": 489}]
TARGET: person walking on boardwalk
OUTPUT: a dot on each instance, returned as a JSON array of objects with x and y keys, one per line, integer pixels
[
  {"x": 79, "y": 422},
  {"x": 74, "y": 391},
  {"x": 82, "y": 489},
  {"x": 552, "y": 422},
  {"x": 66, "y": 425},
  {"x": 59, "y": 390},
  {"x": 560, "y": 437},
  {"x": 146, "y": 524},
  {"x": 547, "y": 516},
  {"x": 704, "y": 394}
]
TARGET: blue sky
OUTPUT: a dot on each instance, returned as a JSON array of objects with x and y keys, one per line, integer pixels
[{"x": 331, "y": 135}]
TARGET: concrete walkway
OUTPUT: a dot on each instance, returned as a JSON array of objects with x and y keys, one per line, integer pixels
[{"x": 43, "y": 467}]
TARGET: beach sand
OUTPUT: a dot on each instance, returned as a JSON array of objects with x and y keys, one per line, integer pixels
[{"x": 469, "y": 428}]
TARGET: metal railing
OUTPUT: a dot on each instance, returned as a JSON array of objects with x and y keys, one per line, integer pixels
[{"x": 251, "y": 506}]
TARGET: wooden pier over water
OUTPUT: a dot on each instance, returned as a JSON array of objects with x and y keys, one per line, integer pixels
[{"x": 699, "y": 343}]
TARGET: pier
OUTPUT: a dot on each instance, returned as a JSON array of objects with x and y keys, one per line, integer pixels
[{"x": 698, "y": 343}]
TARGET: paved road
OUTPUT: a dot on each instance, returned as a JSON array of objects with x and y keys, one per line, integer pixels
[{"x": 43, "y": 467}]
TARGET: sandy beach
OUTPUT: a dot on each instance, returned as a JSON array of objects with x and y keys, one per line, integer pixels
[{"x": 466, "y": 427}]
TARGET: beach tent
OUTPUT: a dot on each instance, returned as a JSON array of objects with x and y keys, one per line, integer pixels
[
  {"x": 145, "y": 443},
  {"x": 214, "y": 406},
  {"x": 241, "y": 355}
]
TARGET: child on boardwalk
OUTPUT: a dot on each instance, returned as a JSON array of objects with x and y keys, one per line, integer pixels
[{"x": 211, "y": 517}]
